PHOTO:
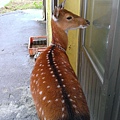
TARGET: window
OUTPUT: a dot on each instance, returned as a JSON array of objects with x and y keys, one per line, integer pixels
[{"x": 96, "y": 39}]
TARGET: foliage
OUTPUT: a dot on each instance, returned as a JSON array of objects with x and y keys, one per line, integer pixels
[
  {"x": 38, "y": 5},
  {"x": 21, "y": 4}
]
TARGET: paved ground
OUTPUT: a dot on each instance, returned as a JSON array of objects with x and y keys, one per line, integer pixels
[{"x": 16, "y": 65}]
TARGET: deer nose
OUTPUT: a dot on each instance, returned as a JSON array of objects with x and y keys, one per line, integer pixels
[{"x": 88, "y": 23}]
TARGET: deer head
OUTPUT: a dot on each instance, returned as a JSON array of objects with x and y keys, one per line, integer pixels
[{"x": 66, "y": 20}]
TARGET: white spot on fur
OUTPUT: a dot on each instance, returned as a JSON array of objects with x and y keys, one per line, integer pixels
[
  {"x": 65, "y": 73},
  {"x": 56, "y": 100},
  {"x": 80, "y": 96},
  {"x": 40, "y": 92},
  {"x": 38, "y": 105},
  {"x": 58, "y": 86},
  {"x": 66, "y": 70},
  {"x": 49, "y": 51},
  {"x": 44, "y": 98},
  {"x": 44, "y": 81},
  {"x": 48, "y": 86},
  {"x": 47, "y": 57},
  {"x": 54, "y": 32},
  {"x": 75, "y": 97},
  {"x": 43, "y": 78},
  {"x": 77, "y": 111},
  {"x": 74, "y": 88},
  {"x": 52, "y": 54},
  {"x": 71, "y": 100},
  {"x": 42, "y": 73},
  {"x": 37, "y": 75},
  {"x": 42, "y": 112},
  {"x": 51, "y": 72},
  {"x": 50, "y": 68},
  {"x": 63, "y": 115},
  {"x": 40, "y": 65},
  {"x": 63, "y": 101},
  {"x": 45, "y": 118},
  {"x": 68, "y": 95},
  {"x": 40, "y": 109},
  {"x": 55, "y": 64},
  {"x": 36, "y": 82},
  {"x": 60, "y": 74},
  {"x": 53, "y": 75},
  {"x": 63, "y": 109},
  {"x": 71, "y": 80},
  {"x": 49, "y": 101},
  {"x": 57, "y": 40},
  {"x": 74, "y": 106},
  {"x": 57, "y": 67}
]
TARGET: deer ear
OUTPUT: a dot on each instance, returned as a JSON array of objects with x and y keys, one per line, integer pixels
[
  {"x": 61, "y": 6},
  {"x": 56, "y": 13}
]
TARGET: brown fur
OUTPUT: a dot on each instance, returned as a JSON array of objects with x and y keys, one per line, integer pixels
[{"x": 55, "y": 89}]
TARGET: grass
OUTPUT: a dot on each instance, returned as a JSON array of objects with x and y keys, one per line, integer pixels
[{"x": 14, "y": 5}]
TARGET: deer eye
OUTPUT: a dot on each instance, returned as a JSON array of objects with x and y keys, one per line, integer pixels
[{"x": 69, "y": 18}]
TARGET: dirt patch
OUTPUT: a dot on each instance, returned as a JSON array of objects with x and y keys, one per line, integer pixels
[{"x": 14, "y": 5}]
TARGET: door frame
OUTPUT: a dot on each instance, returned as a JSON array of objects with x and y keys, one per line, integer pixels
[{"x": 110, "y": 79}]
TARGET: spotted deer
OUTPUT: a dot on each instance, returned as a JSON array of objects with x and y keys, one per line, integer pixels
[{"x": 55, "y": 89}]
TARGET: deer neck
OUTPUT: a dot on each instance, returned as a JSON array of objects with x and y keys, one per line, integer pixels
[{"x": 59, "y": 36}]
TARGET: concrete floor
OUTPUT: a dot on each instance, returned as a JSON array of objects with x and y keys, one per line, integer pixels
[{"x": 16, "y": 65}]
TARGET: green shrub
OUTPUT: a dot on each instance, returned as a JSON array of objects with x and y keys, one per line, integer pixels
[{"x": 38, "y": 5}]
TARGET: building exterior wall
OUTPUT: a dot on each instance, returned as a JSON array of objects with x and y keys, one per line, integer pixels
[
  {"x": 48, "y": 21},
  {"x": 73, "y": 35}
]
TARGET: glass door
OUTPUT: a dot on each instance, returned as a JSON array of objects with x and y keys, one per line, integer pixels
[
  {"x": 96, "y": 36},
  {"x": 96, "y": 49}
]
